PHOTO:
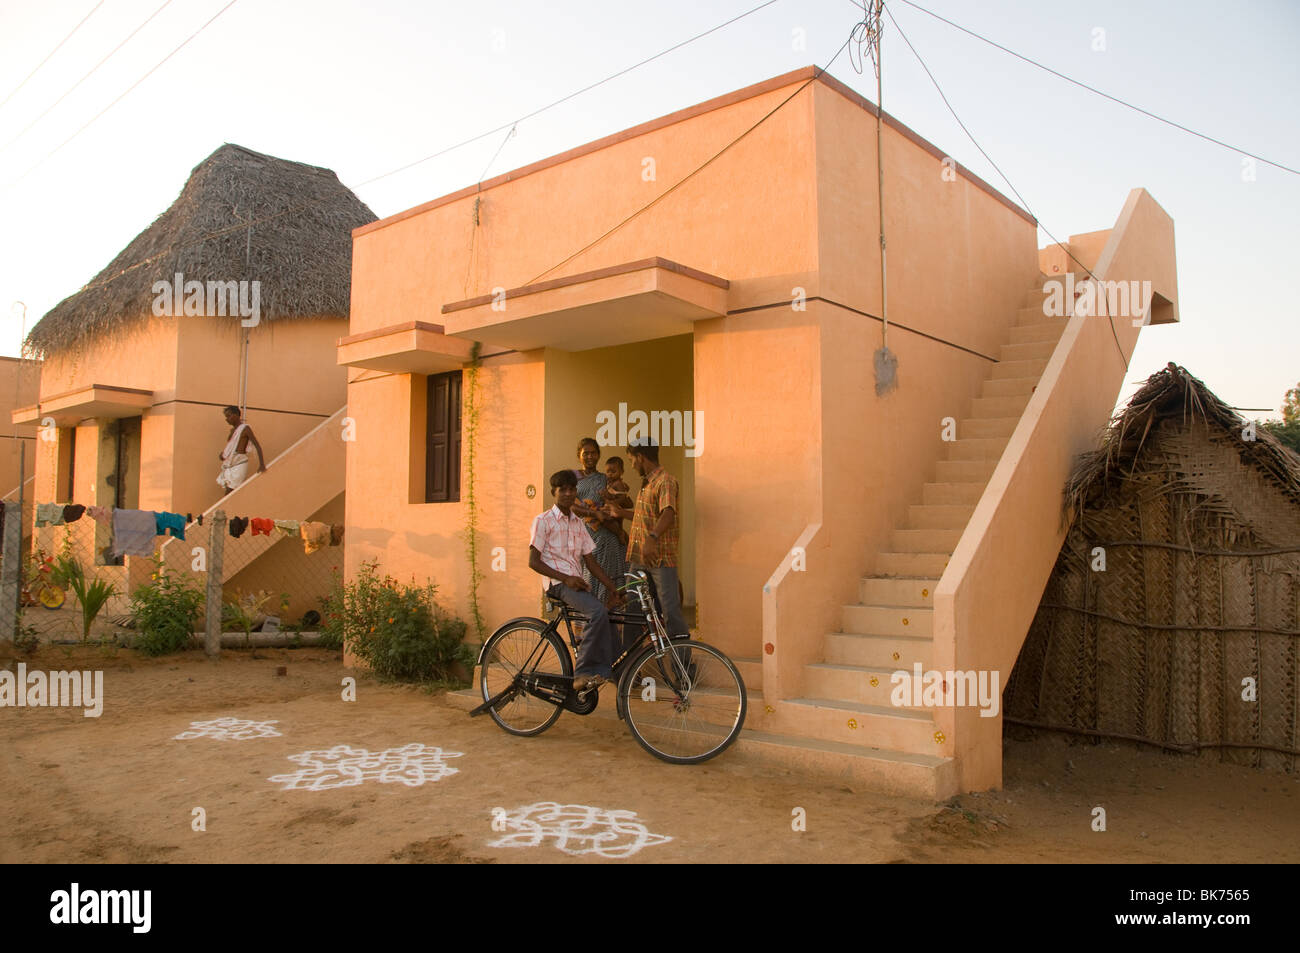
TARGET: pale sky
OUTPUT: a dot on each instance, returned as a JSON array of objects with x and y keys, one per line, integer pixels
[{"x": 366, "y": 87}]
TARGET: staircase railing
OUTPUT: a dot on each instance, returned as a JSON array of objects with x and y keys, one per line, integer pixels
[{"x": 990, "y": 590}]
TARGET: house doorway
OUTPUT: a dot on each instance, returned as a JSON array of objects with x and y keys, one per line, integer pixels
[{"x": 614, "y": 393}]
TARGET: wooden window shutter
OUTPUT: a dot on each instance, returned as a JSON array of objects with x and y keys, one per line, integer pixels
[{"x": 442, "y": 462}]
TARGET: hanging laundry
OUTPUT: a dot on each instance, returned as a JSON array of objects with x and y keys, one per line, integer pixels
[
  {"x": 170, "y": 521},
  {"x": 336, "y": 534},
  {"x": 134, "y": 532},
  {"x": 72, "y": 512},
  {"x": 262, "y": 527},
  {"x": 49, "y": 514},
  {"x": 314, "y": 536},
  {"x": 100, "y": 514},
  {"x": 288, "y": 527},
  {"x": 237, "y": 526}
]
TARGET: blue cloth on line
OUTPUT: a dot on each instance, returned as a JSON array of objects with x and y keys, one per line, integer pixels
[{"x": 170, "y": 521}]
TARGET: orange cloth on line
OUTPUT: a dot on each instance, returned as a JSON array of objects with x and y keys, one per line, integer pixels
[
  {"x": 314, "y": 535},
  {"x": 262, "y": 526}
]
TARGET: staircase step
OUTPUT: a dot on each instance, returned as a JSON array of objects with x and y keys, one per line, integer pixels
[
  {"x": 1007, "y": 369},
  {"x": 1012, "y": 406},
  {"x": 868, "y": 726},
  {"x": 1011, "y": 387},
  {"x": 911, "y": 564},
  {"x": 964, "y": 471},
  {"x": 987, "y": 426},
  {"x": 938, "y": 517},
  {"x": 1028, "y": 350},
  {"x": 751, "y": 672},
  {"x": 854, "y": 683},
  {"x": 888, "y": 620},
  {"x": 925, "y": 540},
  {"x": 1050, "y": 330},
  {"x": 892, "y": 591},
  {"x": 878, "y": 651},
  {"x": 895, "y": 773},
  {"x": 977, "y": 448},
  {"x": 952, "y": 494}
]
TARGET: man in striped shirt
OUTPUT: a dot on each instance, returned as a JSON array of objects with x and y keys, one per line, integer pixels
[{"x": 558, "y": 548}]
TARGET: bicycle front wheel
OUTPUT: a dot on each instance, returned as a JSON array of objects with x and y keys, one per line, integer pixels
[
  {"x": 685, "y": 706},
  {"x": 522, "y": 647}
]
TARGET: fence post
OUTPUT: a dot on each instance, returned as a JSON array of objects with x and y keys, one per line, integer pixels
[
  {"x": 216, "y": 547},
  {"x": 11, "y": 569}
]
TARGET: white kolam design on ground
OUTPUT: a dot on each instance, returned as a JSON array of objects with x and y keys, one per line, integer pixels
[
  {"x": 344, "y": 766},
  {"x": 229, "y": 729},
  {"x": 576, "y": 828}
]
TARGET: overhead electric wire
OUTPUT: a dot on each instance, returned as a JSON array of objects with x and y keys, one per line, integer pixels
[
  {"x": 123, "y": 95},
  {"x": 74, "y": 86},
  {"x": 999, "y": 171},
  {"x": 51, "y": 53},
  {"x": 698, "y": 169},
  {"x": 563, "y": 99},
  {"x": 240, "y": 226},
  {"x": 1093, "y": 89}
]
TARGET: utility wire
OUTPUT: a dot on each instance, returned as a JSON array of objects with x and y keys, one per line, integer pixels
[
  {"x": 536, "y": 112},
  {"x": 564, "y": 99},
  {"x": 50, "y": 108},
  {"x": 51, "y": 53},
  {"x": 151, "y": 71},
  {"x": 1093, "y": 89},
  {"x": 999, "y": 171},
  {"x": 698, "y": 169}
]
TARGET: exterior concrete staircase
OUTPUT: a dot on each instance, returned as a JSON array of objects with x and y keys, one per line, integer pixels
[
  {"x": 889, "y": 628},
  {"x": 308, "y": 474}
]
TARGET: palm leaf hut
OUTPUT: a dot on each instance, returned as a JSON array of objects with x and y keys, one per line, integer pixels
[
  {"x": 236, "y": 294},
  {"x": 1170, "y": 618}
]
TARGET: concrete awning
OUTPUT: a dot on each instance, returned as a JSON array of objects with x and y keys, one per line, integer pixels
[
  {"x": 636, "y": 301},
  {"x": 95, "y": 400},
  {"x": 415, "y": 347}
]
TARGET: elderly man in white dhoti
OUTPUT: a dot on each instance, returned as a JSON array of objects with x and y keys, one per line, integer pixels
[{"x": 234, "y": 458}]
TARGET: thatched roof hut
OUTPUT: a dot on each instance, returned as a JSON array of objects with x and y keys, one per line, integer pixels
[
  {"x": 1172, "y": 617},
  {"x": 242, "y": 216}
]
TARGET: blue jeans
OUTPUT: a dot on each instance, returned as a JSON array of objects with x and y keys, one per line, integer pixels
[
  {"x": 665, "y": 579},
  {"x": 600, "y": 643}
]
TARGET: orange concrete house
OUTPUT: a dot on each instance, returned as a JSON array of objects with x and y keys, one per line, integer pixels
[
  {"x": 236, "y": 294},
  {"x": 718, "y": 272}
]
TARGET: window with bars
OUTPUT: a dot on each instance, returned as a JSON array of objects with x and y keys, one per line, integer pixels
[{"x": 442, "y": 454}]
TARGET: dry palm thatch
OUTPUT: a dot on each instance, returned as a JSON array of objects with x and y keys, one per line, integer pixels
[
  {"x": 242, "y": 216},
  {"x": 1174, "y": 395}
]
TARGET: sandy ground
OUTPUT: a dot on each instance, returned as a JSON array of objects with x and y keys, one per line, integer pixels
[{"x": 122, "y": 788}]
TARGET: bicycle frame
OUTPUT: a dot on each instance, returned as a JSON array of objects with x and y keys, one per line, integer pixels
[{"x": 557, "y": 689}]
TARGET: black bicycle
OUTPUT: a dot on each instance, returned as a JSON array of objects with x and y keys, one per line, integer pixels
[{"x": 683, "y": 700}]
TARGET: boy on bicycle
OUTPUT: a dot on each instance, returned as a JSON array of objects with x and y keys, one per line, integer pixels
[{"x": 558, "y": 547}]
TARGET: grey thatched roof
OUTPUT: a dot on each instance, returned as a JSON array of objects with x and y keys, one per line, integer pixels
[
  {"x": 1175, "y": 396},
  {"x": 300, "y": 247}
]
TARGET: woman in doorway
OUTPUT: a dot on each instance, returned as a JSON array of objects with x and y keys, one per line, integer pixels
[
  {"x": 609, "y": 552},
  {"x": 234, "y": 458}
]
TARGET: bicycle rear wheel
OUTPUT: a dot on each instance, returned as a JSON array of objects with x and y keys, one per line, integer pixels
[
  {"x": 512, "y": 649},
  {"x": 685, "y": 706}
]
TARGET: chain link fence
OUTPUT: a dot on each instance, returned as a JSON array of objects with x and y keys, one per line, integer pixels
[{"x": 268, "y": 580}]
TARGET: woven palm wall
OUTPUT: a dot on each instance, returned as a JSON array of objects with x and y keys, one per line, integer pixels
[{"x": 1198, "y": 603}]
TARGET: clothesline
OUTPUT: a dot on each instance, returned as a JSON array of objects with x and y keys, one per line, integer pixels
[{"x": 134, "y": 531}]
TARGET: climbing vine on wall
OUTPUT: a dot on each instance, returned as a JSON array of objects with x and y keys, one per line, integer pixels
[{"x": 469, "y": 432}]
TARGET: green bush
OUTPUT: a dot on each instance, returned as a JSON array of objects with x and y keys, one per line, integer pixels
[
  {"x": 165, "y": 612},
  {"x": 398, "y": 630}
]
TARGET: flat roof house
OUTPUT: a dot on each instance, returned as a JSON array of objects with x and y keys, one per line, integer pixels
[{"x": 720, "y": 267}]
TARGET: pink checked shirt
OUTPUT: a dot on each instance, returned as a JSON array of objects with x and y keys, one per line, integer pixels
[{"x": 562, "y": 541}]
